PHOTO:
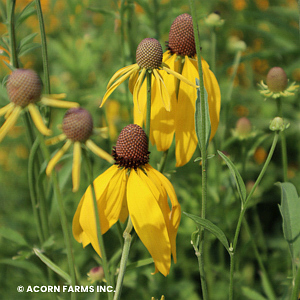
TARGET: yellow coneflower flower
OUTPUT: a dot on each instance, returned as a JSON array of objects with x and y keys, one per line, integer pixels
[
  {"x": 77, "y": 128},
  {"x": 149, "y": 55},
  {"x": 133, "y": 187},
  {"x": 24, "y": 88},
  {"x": 181, "y": 57}
]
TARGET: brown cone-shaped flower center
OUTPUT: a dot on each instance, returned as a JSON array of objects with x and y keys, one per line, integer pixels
[
  {"x": 131, "y": 150},
  {"x": 277, "y": 80},
  {"x": 181, "y": 36},
  {"x": 149, "y": 54},
  {"x": 77, "y": 124},
  {"x": 24, "y": 87}
]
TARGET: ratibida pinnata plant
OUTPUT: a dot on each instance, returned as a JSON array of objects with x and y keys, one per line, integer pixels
[
  {"x": 77, "y": 128},
  {"x": 24, "y": 89},
  {"x": 132, "y": 188}
]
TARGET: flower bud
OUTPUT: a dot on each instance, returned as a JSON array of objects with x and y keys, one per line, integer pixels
[
  {"x": 96, "y": 274},
  {"x": 277, "y": 80},
  {"x": 277, "y": 124},
  {"x": 214, "y": 20}
]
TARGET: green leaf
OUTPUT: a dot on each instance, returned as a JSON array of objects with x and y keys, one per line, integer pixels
[
  {"x": 27, "y": 40},
  {"x": 198, "y": 117},
  {"x": 52, "y": 265},
  {"x": 208, "y": 225},
  {"x": 251, "y": 294},
  {"x": 102, "y": 11},
  {"x": 22, "y": 264},
  {"x": 140, "y": 263},
  {"x": 28, "y": 11},
  {"x": 13, "y": 236},
  {"x": 290, "y": 211},
  {"x": 237, "y": 177}
]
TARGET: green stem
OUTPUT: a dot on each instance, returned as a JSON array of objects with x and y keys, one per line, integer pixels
[
  {"x": 31, "y": 180},
  {"x": 296, "y": 286},
  {"x": 148, "y": 116},
  {"x": 98, "y": 224},
  {"x": 242, "y": 213},
  {"x": 283, "y": 143},
  {"x": 163, "y": 161},
  {"x": 12, "y": 33},
  {"x": 124, "y": 258},
  {"x": 213, "y": 50},
  {"x": 203, "y": 151},
  {"x": 271, "y": 295},
  {"x": 62, "y": 214},
  {"x": 227, "y": 99}
]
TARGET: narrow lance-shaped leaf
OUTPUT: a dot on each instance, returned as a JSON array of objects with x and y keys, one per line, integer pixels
[
  {"x": 198, "y": 117},
  {"x": 52, "y": 265},
  {"x": 290, "y": 211},
  {"x": 237, "y": 177},
  {"x": 208, "y": 225}
]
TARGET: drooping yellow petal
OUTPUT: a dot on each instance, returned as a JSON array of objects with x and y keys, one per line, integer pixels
[
  {"x": 137, "y": 87},
  {"x": 38, "y": 120},
  {"x": 10, "y": 121},
  {"x": 6, "y": 108},
  {"x": 185, "y": 134},
  {"x": 180, "y": 77},
  {"x": 53, "y": 161},
  {"x": 100, "y": 184},
  {"x": 76, "y": 166},
  {"x": 118, "y": 82},
  {"x": 121, "y": 72},
  {"x": 175, "y": 214},
  {"x": 132, "y": 80},
  {"x": 109, "y": 203},
  {"x": 58, "y": 103},
  {"x": 148, "y": 220},
  {"x": 162, "y": 90},
  {"x": 98, "y": 151},
  {"x": 56, "y": 139},
  {"x": 214, "y": 95},
  {"x": 162, "y": 121}
]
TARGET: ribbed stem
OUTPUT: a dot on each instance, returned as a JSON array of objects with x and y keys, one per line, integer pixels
[
  {"x": 98, "y": 224},
  {"x": 242, "y": 213},
  {"x": 203, "y": 151},
  {"x": 148, "y": 115},
  {"x": 124, "y": 258}
]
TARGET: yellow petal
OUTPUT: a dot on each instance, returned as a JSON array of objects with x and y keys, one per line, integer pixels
[
  {"x": 162, "y": 90},
  {"x": 132, "y": 80},
  {"x": 162, "y": 121},
  {"x": 185, "y": 134},
  {"x": 214, "y": 96},
  {"x": 58, "y": 103},
  {"x": 76, "y": 166},
  {"x": 137, "y": 88},
  {"x": 110, "y": 189},
  {"x": 38, "y": 120},
  {"x": 175, "y": 214},
  {"x": 120, "y": 73},
  {"x": 118, "y": 82},
  {"x": 180, "y": 77},
  {"x": 148, "y": 220},
  {"x": 98, "y": 151},
  {"x": 10, "y": 121},
  {"x": 56, "y": 139},
  {"x": 53, "y": 161},
  {"x": 6, "y": 108}
]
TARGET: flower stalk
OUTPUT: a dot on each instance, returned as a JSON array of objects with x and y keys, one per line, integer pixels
[
  {"x": 243, "y": 210},
  {"x": 148, "y": 116},
  {"x": 203, "y": 152},
  {"x": 124, "y": 258},
  {"x": 97, "y": 218}
]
